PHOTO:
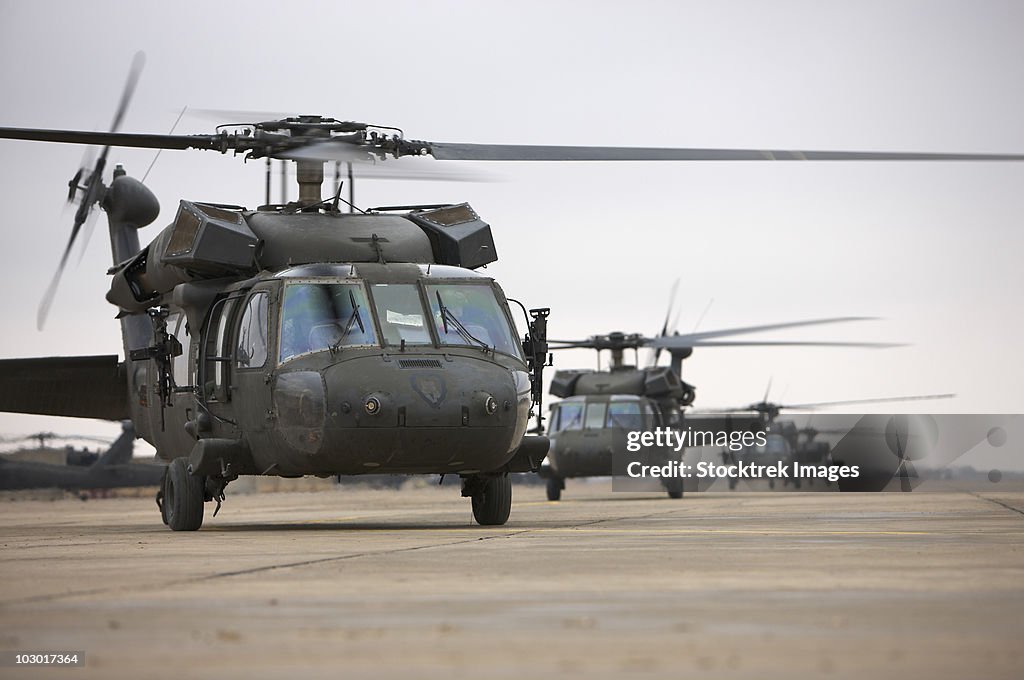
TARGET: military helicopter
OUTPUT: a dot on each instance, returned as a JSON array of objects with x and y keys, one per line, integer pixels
[
  {"x": 110, "y": 470},
  {"x": 599, "y": 407},
  {"x": 789, "y": 443},
  {"x": 298, "y": 339}
]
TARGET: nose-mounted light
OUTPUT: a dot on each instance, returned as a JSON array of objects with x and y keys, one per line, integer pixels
[
  {"x": 372, "y": 406},
  {"x": 491, "y": 405}
]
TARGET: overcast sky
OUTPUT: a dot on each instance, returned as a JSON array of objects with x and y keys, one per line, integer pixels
[{"x": 934, "y": 248}]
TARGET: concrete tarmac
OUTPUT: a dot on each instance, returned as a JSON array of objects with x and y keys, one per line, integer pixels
[{"x": 357, "y": 583}]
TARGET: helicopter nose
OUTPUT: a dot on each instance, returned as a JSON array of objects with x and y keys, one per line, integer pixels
[
  {"x": 420, "y": 392},
  {"x": 422, "y": 414},
  {"x": 587, "y": 453}
]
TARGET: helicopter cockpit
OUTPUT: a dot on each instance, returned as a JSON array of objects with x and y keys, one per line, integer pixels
[
  {"x": 598, "y": 412},
  {"x": 330, "y": 314},
  {"x": 322, "y": 315},
  {"x": 775, "y": 448}
]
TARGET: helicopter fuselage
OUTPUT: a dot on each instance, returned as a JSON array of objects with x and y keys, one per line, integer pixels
[
  {"x": 288, "y": 377},
  {"x": 587, "y": 432}
]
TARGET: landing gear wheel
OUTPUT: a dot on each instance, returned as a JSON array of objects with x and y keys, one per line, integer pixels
[
  {"x": 555, "y": 486},
  {"x": 674, "y": 486},
  {"x": 184, "y": 494},
  {"x": 493, "y": 503},
  {"x": 161, "y": 495}
]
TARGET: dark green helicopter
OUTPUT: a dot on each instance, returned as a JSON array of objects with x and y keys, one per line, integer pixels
[
  {"x": 298, "y": 339},
  {"x": 588, "y": 428},
  {"x": 81, "y": 471},
  {"x": 789, "y": 443}
]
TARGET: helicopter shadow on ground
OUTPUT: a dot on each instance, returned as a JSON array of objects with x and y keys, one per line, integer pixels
[{"x": 624, "y": 498}]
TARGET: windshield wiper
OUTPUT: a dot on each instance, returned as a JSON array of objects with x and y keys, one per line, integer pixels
[
  {"x": 447, "y": 315},
  {"x": 354, "y": 317}
]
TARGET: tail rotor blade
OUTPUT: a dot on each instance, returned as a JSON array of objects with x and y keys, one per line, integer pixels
[
  {"x": 138, "y": 61},
  {"x": 668, "y": 318},
  {"x": 93, "y": 191}
]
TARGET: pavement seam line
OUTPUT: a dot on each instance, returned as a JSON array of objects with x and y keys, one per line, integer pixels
[{"x": 993, "y": 500}]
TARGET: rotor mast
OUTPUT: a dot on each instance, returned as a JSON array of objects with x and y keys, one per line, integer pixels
[{"x": 310, "y": 173}]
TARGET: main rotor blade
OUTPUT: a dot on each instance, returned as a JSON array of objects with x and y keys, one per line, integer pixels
[
  {"x": 782, "y": 343},
  {"x": 668, "y": 319},
  {"x": 366, "y": 165},
  {"x": 851, "y": 402},
  {"x": 671, "y": 307},
  {"x": 520, "y": 152},
  {"x": 329, "y": 150},
  {"x": 690, "y": 338},
  {"x": 132, "y": 139},
  {"x": 684, "y": 342}
]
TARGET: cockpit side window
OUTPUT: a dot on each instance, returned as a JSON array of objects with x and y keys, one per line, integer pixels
[
  {"x": 177, "y": 325},
  {"x": 400, "y": 312},
  {"x": 218, "y": 350},
  {"x": 570, "y": 416},
  {"x": 625, "y": 415},
  {"x": 319, "y": 316},
  {"x": 652, "y": 416},
  {"x": 251, "y": 349},
  {"x": 473, "y": 317}
]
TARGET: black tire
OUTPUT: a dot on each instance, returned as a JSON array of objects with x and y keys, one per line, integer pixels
[
  {"x": 493, "y": 504},
  {"x": 674, "y": 487},
  {"x": 184, "y": 495},
  {"x": 162, "y": 496},
  {"x": 555, "y": 486}
]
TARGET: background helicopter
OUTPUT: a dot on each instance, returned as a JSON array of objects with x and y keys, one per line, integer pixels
[
  {"x": 589, "y": 426},
  {"x": 110, "y": 470},
  {"x": 790, "y": 443}
]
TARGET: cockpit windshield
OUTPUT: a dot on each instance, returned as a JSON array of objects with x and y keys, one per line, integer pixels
[
  {"x": 400, "y": 311},
  {"x": 775, "y": 445},
  {"x": 469, "y": 314},
  {"x": 320, "y": 316},
  {"x": 625, "y": 415}
]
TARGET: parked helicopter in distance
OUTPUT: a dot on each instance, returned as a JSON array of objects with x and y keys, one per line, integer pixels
[
  {"x": 110, "y": 470},
  {"x": 297, "y": 339}
]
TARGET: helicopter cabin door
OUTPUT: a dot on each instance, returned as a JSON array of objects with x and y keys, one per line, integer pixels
[
  {"x": 217, "y": 365},
  {"x": 252, "y": 366}
]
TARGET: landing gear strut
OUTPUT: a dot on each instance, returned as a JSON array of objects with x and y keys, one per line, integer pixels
[{"x": 491, "y": 496}]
